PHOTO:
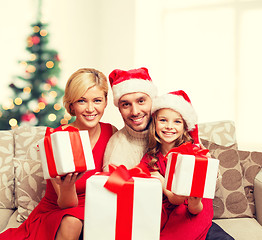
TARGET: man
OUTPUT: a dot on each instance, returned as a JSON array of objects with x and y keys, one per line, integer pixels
[{"x": 133, "y": 92}]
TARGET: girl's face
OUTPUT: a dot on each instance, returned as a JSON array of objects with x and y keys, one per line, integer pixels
[
  {"x": 169, "y": 125},
  {"x": 89, "y": 108}
]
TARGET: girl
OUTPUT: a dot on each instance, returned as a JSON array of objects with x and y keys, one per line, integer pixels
[
  {"x": 174, "y": 122},
  {"x": 60, "y": 213}
]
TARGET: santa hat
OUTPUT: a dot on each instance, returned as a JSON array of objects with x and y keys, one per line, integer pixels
[
  {"x": 135, "y": 80},
  {"x": 179, "y": 102}
]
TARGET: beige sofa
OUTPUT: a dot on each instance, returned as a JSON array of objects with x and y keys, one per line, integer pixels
[{"x": 237, "y": 204}]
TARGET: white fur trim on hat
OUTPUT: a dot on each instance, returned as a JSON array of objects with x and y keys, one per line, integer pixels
[
  {"x": 132, "y": 86},
  {"x": 178, "y": 104}
]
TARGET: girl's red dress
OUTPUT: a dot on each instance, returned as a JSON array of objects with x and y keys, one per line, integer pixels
[
  {"x": 43, "y": 222},
  {"x": 176, "y": 221}
]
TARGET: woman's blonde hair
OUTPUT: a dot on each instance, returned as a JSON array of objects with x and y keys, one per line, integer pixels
[
  {"x": 79, "y": 82},
  {"x": 154, "y": 141}
]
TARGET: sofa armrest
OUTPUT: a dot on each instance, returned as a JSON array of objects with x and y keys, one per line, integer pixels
[{"x": 258, "y": 196}]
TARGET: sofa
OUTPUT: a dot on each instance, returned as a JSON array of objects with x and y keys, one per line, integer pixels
[{"x": 238, "y": 198}]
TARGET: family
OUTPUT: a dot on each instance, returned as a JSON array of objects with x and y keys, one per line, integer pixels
[{"x": 153, "y": 125}]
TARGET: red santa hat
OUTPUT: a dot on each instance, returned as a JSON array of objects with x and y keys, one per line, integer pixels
[
  {"x": 179, "y": 102},
  {"x": 135, "y": 80}
]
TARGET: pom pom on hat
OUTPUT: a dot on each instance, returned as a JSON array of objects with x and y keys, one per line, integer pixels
[
  {"x": 179, "y": 102},
  {"x": 135, "y": 80}
]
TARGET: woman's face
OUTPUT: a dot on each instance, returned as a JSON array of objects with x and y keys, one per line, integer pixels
[{"x": 89, "y": 108}]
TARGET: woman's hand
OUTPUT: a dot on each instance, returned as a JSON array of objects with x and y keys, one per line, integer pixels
[
  {"x": 66, "y": 190},
  {"x": 195, "y": 205},
  {"x": 68, "y": 180}
]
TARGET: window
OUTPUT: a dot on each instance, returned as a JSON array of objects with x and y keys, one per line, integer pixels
[{"x": 213, "y": 51}]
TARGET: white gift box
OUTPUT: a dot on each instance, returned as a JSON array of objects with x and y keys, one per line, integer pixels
[
  {"x": 63, "y": 153},
  {"x": 101, "y": 210},
  {"x": 190, "y": 175}
]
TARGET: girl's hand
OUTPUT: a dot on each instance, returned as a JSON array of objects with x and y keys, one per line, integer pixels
[
  {"x": 202, "y": 147},
  {"x": 173, "y": 198},
  {"x": 195, "y": 205}
]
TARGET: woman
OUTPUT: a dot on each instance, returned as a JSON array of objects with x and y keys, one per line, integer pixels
[{"x": 60, "y": 213}]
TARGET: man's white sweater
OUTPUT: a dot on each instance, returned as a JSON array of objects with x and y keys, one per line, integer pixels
[{"x": 126, "y": 147}]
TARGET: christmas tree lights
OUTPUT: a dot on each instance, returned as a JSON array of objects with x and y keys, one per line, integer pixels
[{"x": 37, "y": 96}]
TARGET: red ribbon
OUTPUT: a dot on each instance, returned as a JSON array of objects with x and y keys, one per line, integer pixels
[
  {"x": 77, "y": 149},
  {"x": 200, "y": 169},
  {"x": 121, "y": 182}
]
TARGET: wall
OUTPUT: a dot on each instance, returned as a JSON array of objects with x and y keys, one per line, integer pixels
[{"x": 109, "y": 34}]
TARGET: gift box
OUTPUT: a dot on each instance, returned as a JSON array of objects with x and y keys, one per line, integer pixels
[
  {"x": 131, "y": 212},
  {"x": 65, "y": 152},
  {"x": 191, "y": 174}
]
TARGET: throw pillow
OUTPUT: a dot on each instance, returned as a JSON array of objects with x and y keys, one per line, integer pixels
[
  {"x": 25, "y": 137},
  {"x": 251, "y": 163},
  {"x": 230, "y": 199},
  {"x": 30, "y": 186},
  {"x": 221, "y": 132},
  {"x": 7, "y": 170}
]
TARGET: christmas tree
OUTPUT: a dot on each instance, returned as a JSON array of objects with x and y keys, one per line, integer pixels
[{"x": 37, "y": 97}]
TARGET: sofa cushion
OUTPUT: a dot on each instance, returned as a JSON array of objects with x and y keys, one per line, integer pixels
[
  {"x": 30, "y": 186},
  {"x": 251, "y": 163},
  {"x": 25, "y": 137},
  {"x": 5, "y": 215},
  {"x": 241, "y": 228},
  {"x": 221, "y": 132},
  {"x": 12, "y": 222},
  {"x": 230, "y": 199},
  {"x": 6, "y": 170}
]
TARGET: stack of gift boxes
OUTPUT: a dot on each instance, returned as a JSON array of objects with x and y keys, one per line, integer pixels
[{"x": 124, "y": 204}]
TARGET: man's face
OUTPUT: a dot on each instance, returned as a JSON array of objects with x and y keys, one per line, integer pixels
[{"x": 135, "y": 109}]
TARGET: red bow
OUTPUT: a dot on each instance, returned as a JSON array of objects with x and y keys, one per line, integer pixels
[
  {"x": 189, "y": 148},
  {"x": 121, "y": 182}
]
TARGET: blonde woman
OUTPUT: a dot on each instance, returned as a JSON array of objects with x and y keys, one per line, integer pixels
[{"x": 60, "y": 213}]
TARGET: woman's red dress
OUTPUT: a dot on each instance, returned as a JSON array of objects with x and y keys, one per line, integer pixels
[
  {"x": 43, "y": 222},
  {"x": 176, "y": 221}
]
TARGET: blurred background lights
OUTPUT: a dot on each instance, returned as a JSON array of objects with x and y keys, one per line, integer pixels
[
  {"x": 57, "y": 106},
  {"x": 23, "y": 63},
  {"x": 18, "y": 101},
  {"x": 27, "y": 90},
  {"x": 36, "y": 29},
  {"x": 36, "y": 110},
  {"x": 67, "y": 116},
  {"x": 41, "y": 105},
  {"x": 32, "y": 57},
  {"x": 43, "y": 33},
  {"x": 8, "y": 104},
  {"x": 50, "y": 64},
  {"x": 64, "y": 121},
  {"x": 47, "y": 87},
  {"x": 53, "y": 94},
  {"x": 30, "y": 68},
  {"x": 52, "y": 117},
  {"x": 12, "y": 122}
]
